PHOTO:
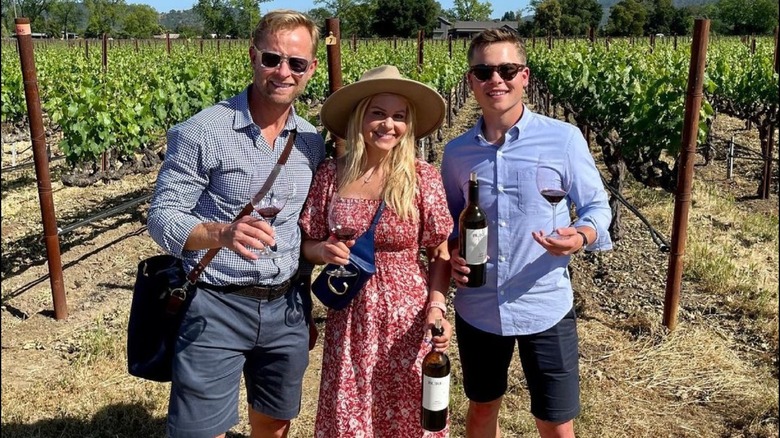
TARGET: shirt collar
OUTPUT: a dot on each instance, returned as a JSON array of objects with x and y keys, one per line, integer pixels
[{"x": 514, "y": 131}]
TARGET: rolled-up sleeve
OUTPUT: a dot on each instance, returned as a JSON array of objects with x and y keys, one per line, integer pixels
[
  {"x": 180, "y": 184},
  {"x": 588, "y": 194}
]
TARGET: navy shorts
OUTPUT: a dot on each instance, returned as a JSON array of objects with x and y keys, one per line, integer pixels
[
  {"x": 224, "y": 336},
  {"x": 549, "y": 360}
]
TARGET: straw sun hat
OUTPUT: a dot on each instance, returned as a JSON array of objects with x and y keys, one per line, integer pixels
[{"x": 428, "y": 104}]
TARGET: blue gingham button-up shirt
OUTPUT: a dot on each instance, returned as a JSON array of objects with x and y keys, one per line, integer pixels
[
  {"x": 206, "y": 178},
  {"x": 528, "y": 290}
]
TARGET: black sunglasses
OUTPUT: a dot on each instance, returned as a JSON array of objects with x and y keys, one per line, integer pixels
[
  {"x": 507, "y": 71},
  {"x": 270, "y": 59}
]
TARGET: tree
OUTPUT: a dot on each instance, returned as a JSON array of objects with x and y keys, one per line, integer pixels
[
  {"x": 104, "y": 17},
  {"x": 566, "y": 17},
  {"x": 527, "y": 28},
  {"x": 217, "y": 17},
  {"x": 577, "y": 16},
  {"x": 627, "y": 18},
  {"x": 660, "y": 14},
  {"x": 66, "y": 14},
  {"x": 349, "y": 15},
  {"x": 362, "y": 17},
  {"x": 509, "y": 16},
  {"x": 682, "y": 21},
  {"x": 472, "y": 10},
  {"x": 7, "y": 16},
  {"x": 744, "y": 17},
  {"x": 186, "y": 23},
  {"x": 319, "y": 15},
  {"x": 547, "y": 18},
  {"x": 140, "y": 21},
  {"x": 403, "y": 18},
  {"x": 35, "y": 10},
  {"x": 247, "y": 16}
]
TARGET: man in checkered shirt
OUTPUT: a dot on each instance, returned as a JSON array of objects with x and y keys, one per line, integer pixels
[{"x": 250, "y": 315}]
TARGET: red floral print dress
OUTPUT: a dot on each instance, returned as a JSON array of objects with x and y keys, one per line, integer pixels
[{"x": 371, "y": 366}]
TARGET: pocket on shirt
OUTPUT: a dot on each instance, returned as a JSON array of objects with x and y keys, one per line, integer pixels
[{"x": 528, "y": 196}]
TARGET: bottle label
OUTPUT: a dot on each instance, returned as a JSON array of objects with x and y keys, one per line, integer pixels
[
  {"x": 436, "y": 393},
  {"x": 476, "y": 246}
]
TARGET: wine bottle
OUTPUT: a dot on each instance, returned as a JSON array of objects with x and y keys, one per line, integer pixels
[
  {"x": 435, "y": 387},
  {"x": 473, "y": 235}
]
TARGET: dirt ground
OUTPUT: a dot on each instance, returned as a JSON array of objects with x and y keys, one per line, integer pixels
[{"x": 68, "y": 378}]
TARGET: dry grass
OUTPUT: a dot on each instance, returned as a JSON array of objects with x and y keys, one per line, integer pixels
[{"x": 669, "y": 385}]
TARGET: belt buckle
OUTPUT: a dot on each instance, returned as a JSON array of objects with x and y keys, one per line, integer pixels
[
  {"x": 278, "y": 291},
  {"x": 269, "y": 293},
  {"x": 265, "y": 292}
]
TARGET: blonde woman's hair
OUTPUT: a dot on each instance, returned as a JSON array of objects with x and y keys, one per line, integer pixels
[
  {"x": 286, "y": 19},
  {"x": 398, "y": 166}
]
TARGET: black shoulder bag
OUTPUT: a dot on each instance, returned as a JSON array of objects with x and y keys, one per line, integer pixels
[{"x": 337, "y": 292}]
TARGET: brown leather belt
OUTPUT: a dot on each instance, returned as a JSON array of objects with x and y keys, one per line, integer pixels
[{"x": 260, "y": 291}]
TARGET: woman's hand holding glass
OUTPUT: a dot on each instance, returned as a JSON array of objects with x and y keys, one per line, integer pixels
[{"x": 342, "y": 231}]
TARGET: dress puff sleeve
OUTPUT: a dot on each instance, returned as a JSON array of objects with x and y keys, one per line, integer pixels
[
  {"x": 435, "y": 219},
  {"x": 314, "y": 216}
]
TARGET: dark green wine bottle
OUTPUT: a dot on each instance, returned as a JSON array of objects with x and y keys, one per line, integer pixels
[{"x": 473, "y": 235}]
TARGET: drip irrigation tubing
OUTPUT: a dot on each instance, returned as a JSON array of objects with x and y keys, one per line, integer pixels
[
  {"x": 107, "y": 213},
  {"x": 30, "y": 164},
  {"x": 658, "y": 239}
]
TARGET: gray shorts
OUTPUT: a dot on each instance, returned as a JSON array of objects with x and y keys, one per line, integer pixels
[{"x": 223, "y": 336}]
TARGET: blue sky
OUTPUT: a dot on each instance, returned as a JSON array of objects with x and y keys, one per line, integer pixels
[{"x": 499, "y": 6}]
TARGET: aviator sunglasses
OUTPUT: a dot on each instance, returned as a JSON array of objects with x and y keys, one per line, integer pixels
[
  {"x": 269, "y": 59},
  {"x": 507, "y": 71}
]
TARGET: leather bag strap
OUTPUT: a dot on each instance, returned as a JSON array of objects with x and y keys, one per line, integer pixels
[{"x": 192, "y": 277}]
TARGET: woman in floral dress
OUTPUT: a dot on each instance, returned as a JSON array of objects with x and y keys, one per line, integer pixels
[{"x": 371, "y": 369}]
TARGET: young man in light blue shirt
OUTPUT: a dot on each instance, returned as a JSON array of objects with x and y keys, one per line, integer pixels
[{"x": 528, "y": 297}]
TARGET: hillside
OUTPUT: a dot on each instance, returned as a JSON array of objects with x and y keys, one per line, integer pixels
[{"x": 174, "y": 19}]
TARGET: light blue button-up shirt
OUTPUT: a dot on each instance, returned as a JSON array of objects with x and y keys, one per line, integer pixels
[
  {"x": 206, "y": 177},
  {"x": 528, "y": 290}
]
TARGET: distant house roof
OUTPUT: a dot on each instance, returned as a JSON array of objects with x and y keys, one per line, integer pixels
[
  {"x": 470, "y": 28},
  {"x": 445, "y": 21},
  {"x": 173, "y": 36},
  {"x": 479, "y": 26}
]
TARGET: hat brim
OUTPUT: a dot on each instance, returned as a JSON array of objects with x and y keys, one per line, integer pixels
[{"x": 428, "y": 104}]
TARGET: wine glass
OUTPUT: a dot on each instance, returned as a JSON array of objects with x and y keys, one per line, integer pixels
[
  {"x": 339, "y": 214},
  {"x": 269, "y": 205},
  {"x": 553, "y": 179}
]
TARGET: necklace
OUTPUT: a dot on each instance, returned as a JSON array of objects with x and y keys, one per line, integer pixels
[{"x": 366, "y": 179}]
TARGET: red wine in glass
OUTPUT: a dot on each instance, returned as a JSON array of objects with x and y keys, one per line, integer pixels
[
  {"x": 553, "y": 179},
  {"x": 344, "y": 234},
  {"x": 271, "y": 204},
  {"x": 339, "y": 213},
  {"x": 268, "y": 213},
  {"x": 553, "y": 196}
]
